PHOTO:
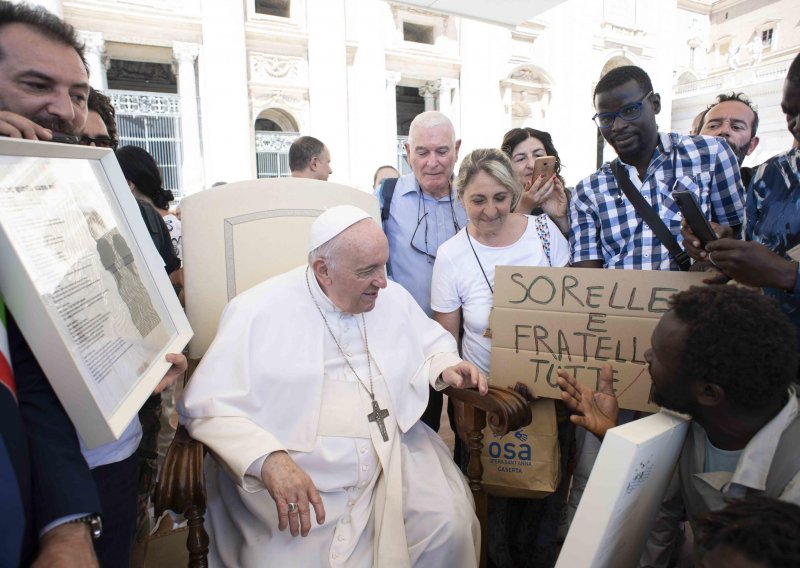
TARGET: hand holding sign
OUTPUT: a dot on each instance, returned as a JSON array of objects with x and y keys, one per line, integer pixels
[{"x": 596, "y": 411}]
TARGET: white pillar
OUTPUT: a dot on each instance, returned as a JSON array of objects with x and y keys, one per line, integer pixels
[
  {"x": 327, "y": 82},
  {"x": 93, "y": 51},
  {"x": 192, "y": 162},
  {"x": 447, "y": 99},
  {"x": 392, "y": 78},
  {"x": 428, "y": 92},
  {"x": 228, "y": 135}
]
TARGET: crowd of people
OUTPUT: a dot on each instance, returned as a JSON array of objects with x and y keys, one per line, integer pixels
[{"x": 320, "y": 398}]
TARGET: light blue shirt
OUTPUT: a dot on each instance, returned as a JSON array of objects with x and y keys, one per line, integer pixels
[
  {"x": 430, "y": 222},
  {"x": 117, "y": 451}
]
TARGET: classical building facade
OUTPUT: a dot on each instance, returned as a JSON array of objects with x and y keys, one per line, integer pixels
[
  {"x": 736, "y": 45},
  {"x": 219, "y": 89}
]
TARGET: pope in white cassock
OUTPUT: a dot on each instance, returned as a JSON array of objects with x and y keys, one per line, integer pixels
[{"x": 310, "y": 398}]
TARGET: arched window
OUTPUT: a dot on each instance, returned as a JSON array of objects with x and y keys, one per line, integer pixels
[{"x": 275, "y": 130}]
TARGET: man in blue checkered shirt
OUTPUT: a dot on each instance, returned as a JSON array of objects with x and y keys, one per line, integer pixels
[{"x": 605, "y": 229}]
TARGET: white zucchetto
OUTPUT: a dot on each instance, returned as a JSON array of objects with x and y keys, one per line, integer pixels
[{"x": 332, "y": 222}]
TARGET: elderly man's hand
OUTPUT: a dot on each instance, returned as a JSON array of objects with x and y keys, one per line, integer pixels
[
  {"x": 595, "y": 411},
  {"x": 752, "y": 264},
  {"x": 66, "y": 546},
  {"x": 179, "y": 365},
  {"x": 465, "y": 375},
  {"x": 287, "y": 483},
  {"x": 17, "y": 126}
]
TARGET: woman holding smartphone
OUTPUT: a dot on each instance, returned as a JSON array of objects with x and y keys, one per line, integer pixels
[{"x": 544, "y": 191}]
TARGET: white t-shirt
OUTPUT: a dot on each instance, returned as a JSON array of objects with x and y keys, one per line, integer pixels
[
  {"x": 459, "y": 283},
  {"x": 174, "y": 226}
]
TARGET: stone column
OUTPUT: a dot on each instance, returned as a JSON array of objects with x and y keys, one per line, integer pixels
[
  {"x": 448, "y": 99},
  {"x": 228, "y": 134},
  {"x": 328, "y": 82},
  {"x": 429, "y": 92},
  {"x": 94, "y": 49},
  {"x": 192, "y": 163},
  {"x": 392, "y": 78}
]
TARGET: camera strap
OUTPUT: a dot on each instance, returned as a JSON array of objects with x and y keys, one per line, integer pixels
[{"x": 649, "y": 216}]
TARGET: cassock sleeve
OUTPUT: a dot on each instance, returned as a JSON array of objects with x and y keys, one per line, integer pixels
[
  {"x": 222, "y": 397},
  {"x": 237, "y": 443}
]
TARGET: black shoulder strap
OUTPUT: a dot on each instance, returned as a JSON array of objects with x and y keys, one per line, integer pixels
[
  {"x": 649, "y": 215},
  {"x": 387, "y": 192},
  {"x": 786, "y": 462}
]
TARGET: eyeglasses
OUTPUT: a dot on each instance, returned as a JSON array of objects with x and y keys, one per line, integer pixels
[
  {"x": 627, "y": 113},
  {"x": 100, "y": 141},
  {"x": 421, "y": 208}
]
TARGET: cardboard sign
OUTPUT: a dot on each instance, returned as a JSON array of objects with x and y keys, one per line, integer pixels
[{"x": 579, "y": 319}]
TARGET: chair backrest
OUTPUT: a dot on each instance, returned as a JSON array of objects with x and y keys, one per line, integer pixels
[{"x": 238, "y": 235}]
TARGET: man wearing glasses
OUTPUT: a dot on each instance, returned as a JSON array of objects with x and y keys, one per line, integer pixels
[
  {"x": 606, "y": 229},
  {"x": 422, "y": 212},
  {"x": 101, "y": 126}
]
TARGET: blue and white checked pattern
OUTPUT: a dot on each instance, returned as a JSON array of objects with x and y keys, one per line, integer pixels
[{"x": 604, "y": 225}]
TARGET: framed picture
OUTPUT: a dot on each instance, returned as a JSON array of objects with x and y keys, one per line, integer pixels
[{"x": 83, "y": 280}]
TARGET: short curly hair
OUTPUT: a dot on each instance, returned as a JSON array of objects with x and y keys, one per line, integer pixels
[
  {"x": 740, "y": 340},
  {"x": 621, "y": 75},
  {"x": 765, "y": 530},
  {"x": 101, "y": 104}
]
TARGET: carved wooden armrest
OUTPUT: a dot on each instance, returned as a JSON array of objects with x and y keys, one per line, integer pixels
[
  {"x": 181, "y": 488},
  {"x": 505, "y": 411}
]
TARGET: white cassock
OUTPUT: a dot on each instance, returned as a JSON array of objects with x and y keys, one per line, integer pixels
[{"x": 274, "y": 380}]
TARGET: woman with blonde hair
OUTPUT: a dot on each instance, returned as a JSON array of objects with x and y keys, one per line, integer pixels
[{"x": 462, "y": 288}]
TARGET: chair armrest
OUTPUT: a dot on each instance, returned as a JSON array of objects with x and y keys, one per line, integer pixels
[
  {"x": 504, "y": 409},
  {"x": 181, "y": 483}
]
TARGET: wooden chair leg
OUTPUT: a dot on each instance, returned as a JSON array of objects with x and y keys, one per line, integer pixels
[
  {"x": 197, "y": 541},
  {"x": 475, "y": 423}
]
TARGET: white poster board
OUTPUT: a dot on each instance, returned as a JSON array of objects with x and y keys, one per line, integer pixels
[
  {"x": 624, "y": 492},
  {"x": 84, "y": 282}
]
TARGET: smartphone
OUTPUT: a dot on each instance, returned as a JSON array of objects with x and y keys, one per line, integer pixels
[
  {"x": 698, "y": 223},
  {"x": 543, "y": 166}
]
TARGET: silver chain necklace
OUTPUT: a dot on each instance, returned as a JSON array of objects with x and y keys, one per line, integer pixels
[{"x": 378, "y": 414}]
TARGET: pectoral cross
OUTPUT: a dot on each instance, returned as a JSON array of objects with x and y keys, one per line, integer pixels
[{"x": 378, "y": 415}]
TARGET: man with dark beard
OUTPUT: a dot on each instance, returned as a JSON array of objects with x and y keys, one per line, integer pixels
[
  {"x": 606, "y": 231},
  {"x": 726, "y": 356},
  {"x": 733, "y": 118}
]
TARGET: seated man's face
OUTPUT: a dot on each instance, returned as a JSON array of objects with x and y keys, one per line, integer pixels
[
  {"x": 359, "y": 271},
  {"x": 42, "y": 80}
]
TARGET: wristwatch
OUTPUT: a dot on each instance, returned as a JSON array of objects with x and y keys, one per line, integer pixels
[{"x": 95, "y": 523}]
